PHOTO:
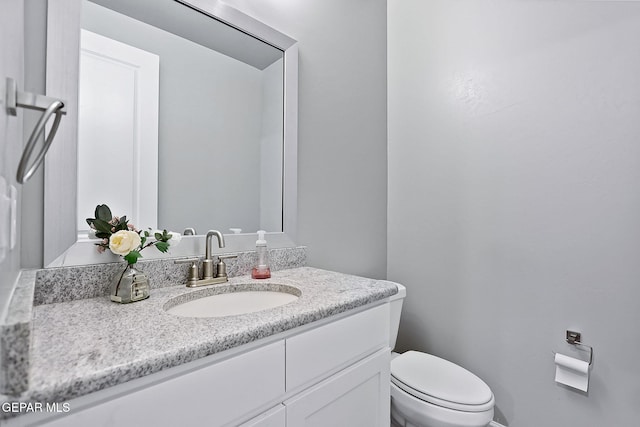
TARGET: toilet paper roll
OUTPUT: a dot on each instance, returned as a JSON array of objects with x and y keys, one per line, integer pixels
[{"x": 572, "y": 372}]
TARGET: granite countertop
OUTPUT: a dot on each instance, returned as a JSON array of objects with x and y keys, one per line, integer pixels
[{"x": 82, "y": 346}]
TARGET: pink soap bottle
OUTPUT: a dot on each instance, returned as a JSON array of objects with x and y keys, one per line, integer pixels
[{"x": 261, "y": 270}]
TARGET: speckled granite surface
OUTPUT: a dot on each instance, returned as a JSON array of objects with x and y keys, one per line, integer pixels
[
  {"x": 15, "y": 337},
  {"x": 88, "y": 281},
  {"x": 83, "y": 346}
]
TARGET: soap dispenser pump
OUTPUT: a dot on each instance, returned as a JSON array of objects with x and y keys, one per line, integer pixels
[{"x": 261, "y": 270}]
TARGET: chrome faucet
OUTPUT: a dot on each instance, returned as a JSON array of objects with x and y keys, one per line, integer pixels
[
  {"x": 210, "y": 274},
  {"x": 208, "y": 264},
  {"x": 190, "y": 231}
]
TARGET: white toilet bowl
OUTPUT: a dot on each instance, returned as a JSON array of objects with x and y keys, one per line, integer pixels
[{"x": 427, "y": 391}]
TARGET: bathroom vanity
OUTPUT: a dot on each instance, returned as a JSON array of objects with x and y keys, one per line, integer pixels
[{"x": 320, "y": 360}]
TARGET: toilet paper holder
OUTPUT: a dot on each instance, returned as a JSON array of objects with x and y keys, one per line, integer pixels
[{"x": 575, "y": 338}]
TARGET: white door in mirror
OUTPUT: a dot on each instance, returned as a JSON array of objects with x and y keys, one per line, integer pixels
[{"x": 118, "y": 113}]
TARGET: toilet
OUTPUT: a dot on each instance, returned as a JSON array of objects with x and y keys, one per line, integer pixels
[{"x": 427, "y": 391}]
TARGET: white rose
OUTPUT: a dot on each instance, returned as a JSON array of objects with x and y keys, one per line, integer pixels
[
  {"x": 123, "y": 242},
  {"x": 175, "y": 238}
]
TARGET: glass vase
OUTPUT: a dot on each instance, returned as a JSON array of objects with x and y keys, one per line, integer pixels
[{"x": 130, "y": 285}]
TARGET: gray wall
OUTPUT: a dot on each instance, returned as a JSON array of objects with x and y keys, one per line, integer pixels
[
  {"x": 342, "y": 157},
  {"x": 514, "y": 196},
  {"x": 32, "y": 206},
  {"x": 11, "y": 65}
]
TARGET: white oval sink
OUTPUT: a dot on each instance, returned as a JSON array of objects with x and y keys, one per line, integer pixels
[{"x": 231, "y": 301}]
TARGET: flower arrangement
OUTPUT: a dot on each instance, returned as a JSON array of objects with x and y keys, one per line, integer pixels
[{"x": 121, "y": 238}]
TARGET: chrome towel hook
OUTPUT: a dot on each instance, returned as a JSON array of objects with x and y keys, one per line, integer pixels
[{"x": 49, "y": 106}]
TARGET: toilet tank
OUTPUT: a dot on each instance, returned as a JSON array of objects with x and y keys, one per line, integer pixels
[{"x": 396, "y": 309}]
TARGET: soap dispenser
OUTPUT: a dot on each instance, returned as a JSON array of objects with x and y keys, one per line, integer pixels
[{"x": 261, "y": 270}]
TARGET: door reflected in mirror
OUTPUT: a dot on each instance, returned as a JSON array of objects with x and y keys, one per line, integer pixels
[{"x": 211, "y": 120}]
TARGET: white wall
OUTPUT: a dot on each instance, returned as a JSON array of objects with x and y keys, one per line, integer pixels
[
  {"x": 342, "y": 180},
  {"x": 514, "y": 202}
]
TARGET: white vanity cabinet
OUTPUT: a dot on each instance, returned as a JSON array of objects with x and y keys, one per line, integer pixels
[{"x": 328, "y": 373}]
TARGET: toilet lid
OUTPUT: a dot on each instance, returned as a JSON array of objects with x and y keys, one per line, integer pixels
[{"x": 441, "y": 382}]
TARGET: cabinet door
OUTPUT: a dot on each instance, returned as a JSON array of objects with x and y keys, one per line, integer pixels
[
  {"x": 355, "y": 397},
  {"x": 274, "y": 417},
  {"x": 212, "y": 396}
]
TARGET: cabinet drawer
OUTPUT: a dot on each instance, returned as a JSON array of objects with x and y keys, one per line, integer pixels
[
  {"x": 315, "y": 354},
  {"x": 213, "y": 396}
]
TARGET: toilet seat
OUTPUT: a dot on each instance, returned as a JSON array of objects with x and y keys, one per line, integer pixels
[{"x": 440, "y": 382}]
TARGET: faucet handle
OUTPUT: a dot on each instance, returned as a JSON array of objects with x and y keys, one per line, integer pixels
[
  {"x": 194, "y": 274},
  {"x": 222, "y": 267}
]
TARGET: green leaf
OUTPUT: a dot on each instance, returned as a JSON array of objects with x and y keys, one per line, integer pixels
[
  {"x": 162, "y": 246},
  {"x": 158, "y": 236},
  {"x": 90, "y": 221},
  {"x": 146, "y": 233},
  {"x": 102, "y": 235},
  {"x": 143, "y": 239},
  {"x": 132, "y": 257},
  {"x": 102, "y": 225},
  {"x": 104, "y": 213}
]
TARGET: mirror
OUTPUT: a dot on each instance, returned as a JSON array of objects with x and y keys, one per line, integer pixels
[
  {"x": 225, "y": 118},
  {"x": 215, "y": 96}
]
